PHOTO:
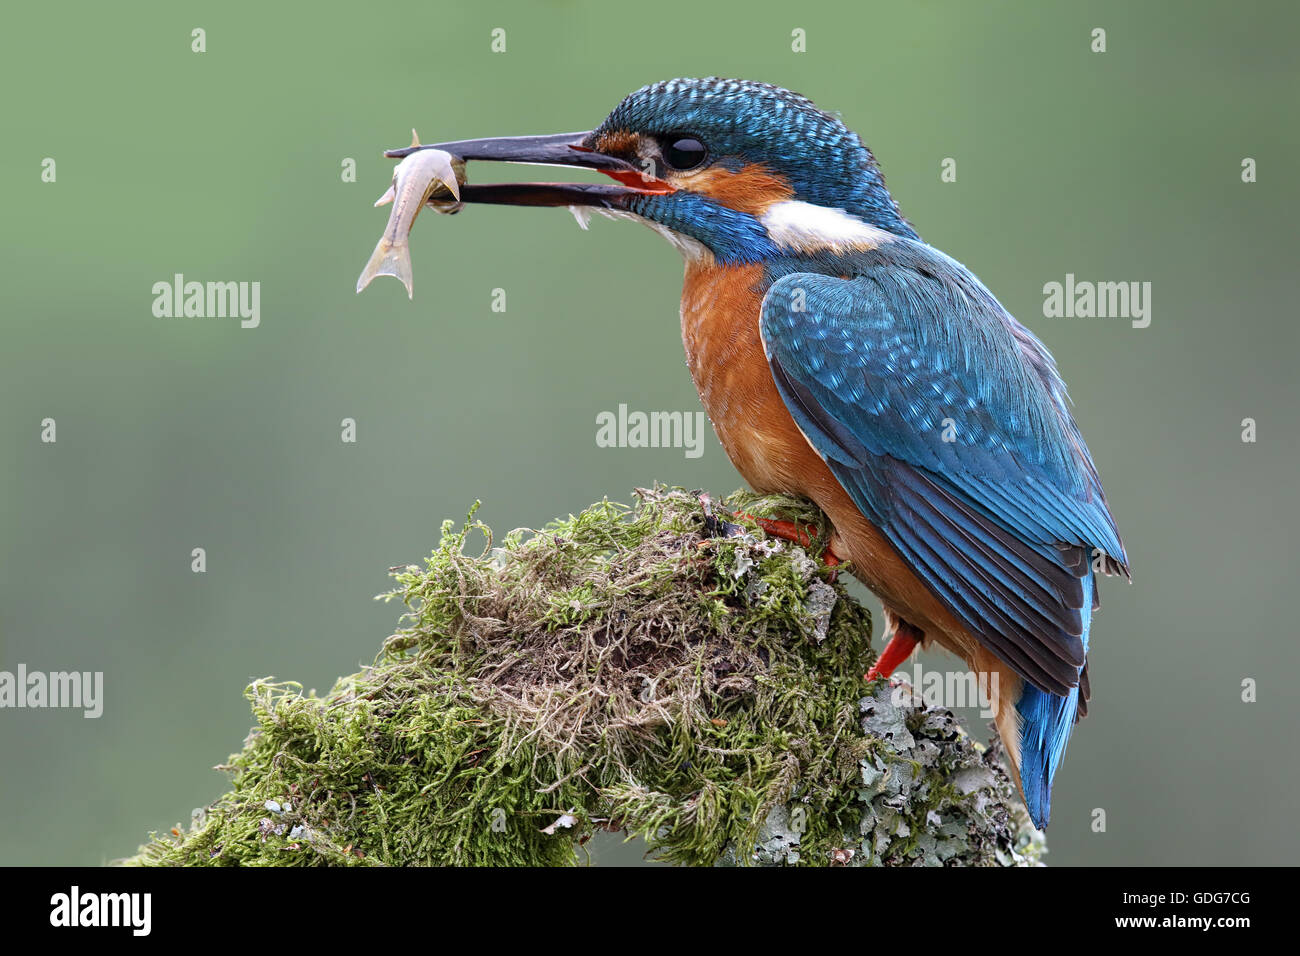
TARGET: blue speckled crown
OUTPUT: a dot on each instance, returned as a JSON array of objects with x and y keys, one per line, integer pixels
[{"x": 825, "y": 161}]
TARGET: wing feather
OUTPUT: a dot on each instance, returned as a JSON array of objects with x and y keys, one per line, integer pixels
[{"x": 947, "y": 423}]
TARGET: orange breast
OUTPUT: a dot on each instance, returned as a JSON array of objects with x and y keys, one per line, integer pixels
[{"x": 725, "y": 355}]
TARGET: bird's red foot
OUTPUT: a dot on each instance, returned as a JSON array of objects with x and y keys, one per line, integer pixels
[
  {"x": 904, "y": 641},
  {"x": 802, "y": 536}
]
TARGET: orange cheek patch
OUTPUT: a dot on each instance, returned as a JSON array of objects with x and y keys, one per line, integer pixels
[{"x": 751, "y": 189}]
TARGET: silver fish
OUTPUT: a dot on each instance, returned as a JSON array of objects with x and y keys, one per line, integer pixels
[{"x": 424, "y": 176}]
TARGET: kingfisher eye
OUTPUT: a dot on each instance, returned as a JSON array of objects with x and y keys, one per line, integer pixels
[{"x": 683, "y": 152}]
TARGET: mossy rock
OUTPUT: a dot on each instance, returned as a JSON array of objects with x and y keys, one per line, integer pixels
[{"x": 663, "y": 670}]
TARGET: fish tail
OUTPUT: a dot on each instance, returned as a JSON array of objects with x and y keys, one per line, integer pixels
[{"x": 390, "y": 258}]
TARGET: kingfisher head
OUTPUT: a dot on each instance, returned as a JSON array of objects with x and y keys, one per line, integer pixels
[{"x": 735, "y": 170}]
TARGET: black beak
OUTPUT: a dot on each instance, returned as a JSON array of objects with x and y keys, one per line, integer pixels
[{"x": 560, "y": 149}]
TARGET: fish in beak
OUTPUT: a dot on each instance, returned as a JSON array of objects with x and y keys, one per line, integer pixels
[
  {"x": 424, "y": 176},
  {"x": 435, "y": 174}
]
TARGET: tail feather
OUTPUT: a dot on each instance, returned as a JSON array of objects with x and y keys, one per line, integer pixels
[
  {"x": 389, "y": 259},
  {"x": 1046, "y": 721}
]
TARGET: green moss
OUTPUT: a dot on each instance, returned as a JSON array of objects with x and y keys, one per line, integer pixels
[{"x": 654, "y": 670}]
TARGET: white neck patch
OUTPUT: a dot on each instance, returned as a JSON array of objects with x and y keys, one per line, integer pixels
[{"x": 806, "y": 227}]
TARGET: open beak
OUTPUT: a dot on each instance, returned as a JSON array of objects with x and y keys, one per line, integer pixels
[{"x": 560, "y": 149}]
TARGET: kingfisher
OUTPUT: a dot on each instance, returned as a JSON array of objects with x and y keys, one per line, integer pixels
[{"x": 842, "y": 358}]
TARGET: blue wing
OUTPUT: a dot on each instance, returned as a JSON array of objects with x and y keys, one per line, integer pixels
[{"x": 947, "y": 423}]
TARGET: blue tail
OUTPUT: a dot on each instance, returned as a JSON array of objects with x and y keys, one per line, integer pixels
[{"x": 1046, "y": 723}]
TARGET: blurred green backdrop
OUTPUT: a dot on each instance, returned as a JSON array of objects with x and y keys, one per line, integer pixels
[{"x": 182, "y": 433}]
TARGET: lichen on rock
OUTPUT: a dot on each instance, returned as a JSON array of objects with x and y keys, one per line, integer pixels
[{"x": 663, "y": 670}]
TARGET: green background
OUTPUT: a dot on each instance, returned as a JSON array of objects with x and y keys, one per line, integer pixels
[{"x": 183, "y": 433}]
